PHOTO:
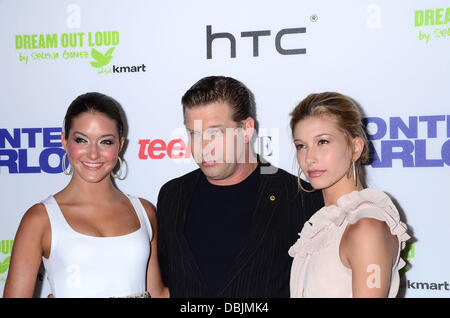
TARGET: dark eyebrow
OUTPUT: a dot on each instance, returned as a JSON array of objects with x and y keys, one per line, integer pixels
[
  {"x": 107, "y": 135},
  {"x": 79, "y": 133}
]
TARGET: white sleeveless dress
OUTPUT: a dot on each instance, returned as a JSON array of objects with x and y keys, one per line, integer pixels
[{"x": 86, "y": 266}]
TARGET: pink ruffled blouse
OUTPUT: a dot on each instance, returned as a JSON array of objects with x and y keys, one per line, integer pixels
[{"x": 317, "y": 270}]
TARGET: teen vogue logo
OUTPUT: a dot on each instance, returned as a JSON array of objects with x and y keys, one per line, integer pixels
[{"x": 178, "y": 148}]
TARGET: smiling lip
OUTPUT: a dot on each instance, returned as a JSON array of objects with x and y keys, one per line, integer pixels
[
  {"x": 315, "y": 173},
  {"x": 92, "y": 165}
]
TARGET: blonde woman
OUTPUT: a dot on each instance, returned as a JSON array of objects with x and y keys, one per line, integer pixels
[{"x": 350, "y": 247}]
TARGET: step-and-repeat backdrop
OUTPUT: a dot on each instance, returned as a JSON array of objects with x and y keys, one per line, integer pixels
[{"x": 392, "y": 57}]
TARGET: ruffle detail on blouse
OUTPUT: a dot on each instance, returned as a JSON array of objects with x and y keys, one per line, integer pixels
[
  {"x": 371, "y": 203},
  {"x": 315, "y": 234}
]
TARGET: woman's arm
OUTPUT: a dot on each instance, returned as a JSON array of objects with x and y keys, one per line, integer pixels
[
  {"x": 27, "y": 252},
  {"x": 369, "y": 249},
  {"x": 155, "y": 284}
]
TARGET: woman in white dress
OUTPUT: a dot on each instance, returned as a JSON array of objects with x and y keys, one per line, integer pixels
[{"x": 95, "y": 241}]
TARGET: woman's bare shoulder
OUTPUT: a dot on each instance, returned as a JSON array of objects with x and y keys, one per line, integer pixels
[{"x": 35, "y": 217}]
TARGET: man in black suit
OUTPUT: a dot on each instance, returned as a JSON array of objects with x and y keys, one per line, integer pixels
[{"x": 224, "y": 230}]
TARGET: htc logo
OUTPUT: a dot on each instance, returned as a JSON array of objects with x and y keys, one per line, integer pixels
[{"x": 255, "y": 35}]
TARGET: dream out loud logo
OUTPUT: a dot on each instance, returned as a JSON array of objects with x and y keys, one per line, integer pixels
[
  {"x": 414, "y": 141},
  {"x": 96, "y": 47},
  {"x": 432, "y": 24},
  {"x": 5, "y": 258},
  {"x": 31, "y": 150}
]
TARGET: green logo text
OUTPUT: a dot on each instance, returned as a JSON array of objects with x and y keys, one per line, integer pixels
[
  {"x": 6, "y": 248},
  {"x": 432, "y": 17}
]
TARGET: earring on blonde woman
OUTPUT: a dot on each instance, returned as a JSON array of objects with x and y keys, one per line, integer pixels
[{"x": 299, "y": 181}]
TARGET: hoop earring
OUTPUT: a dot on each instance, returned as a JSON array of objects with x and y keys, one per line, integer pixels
[
  {"x": 118, "y": 175},
  {"x": 64, "y": 168},
  {"x": 299, "y": 181}
]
